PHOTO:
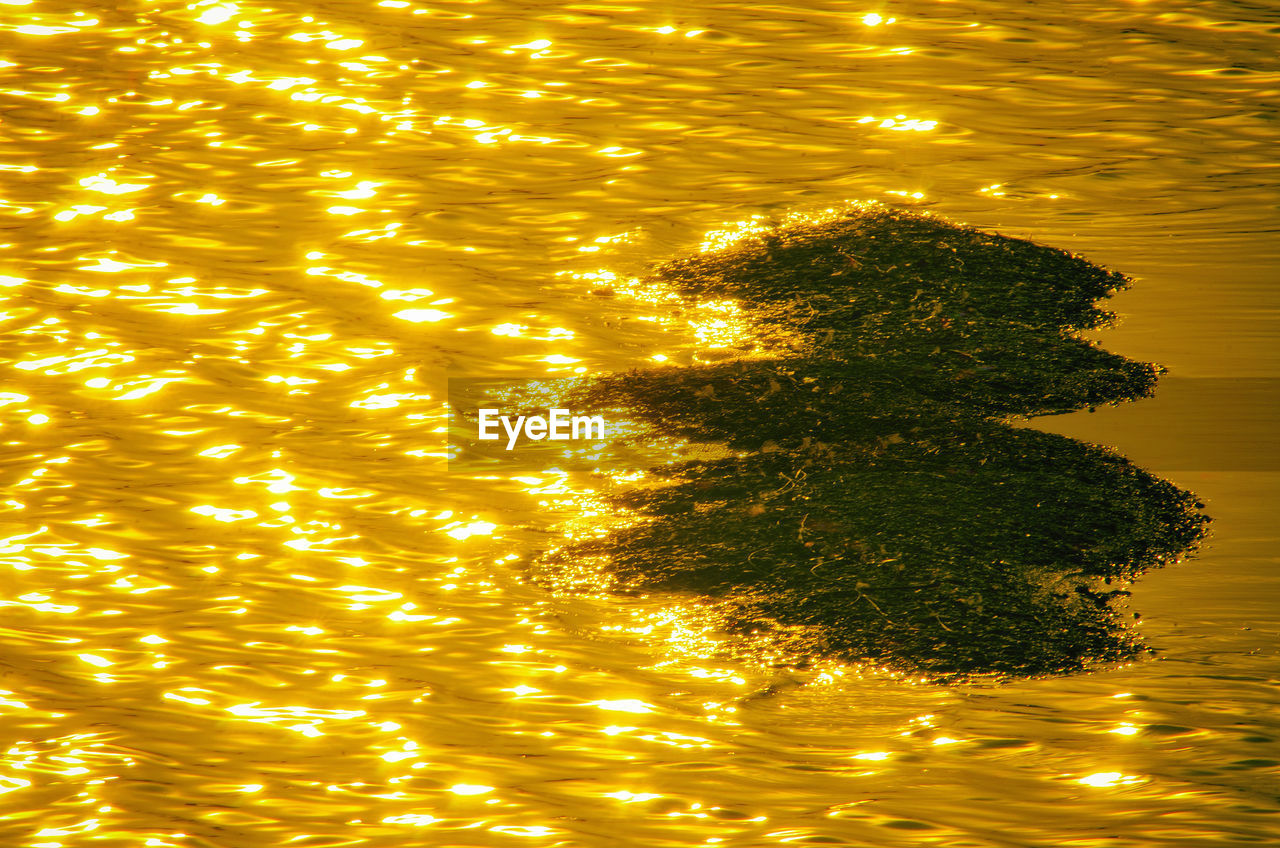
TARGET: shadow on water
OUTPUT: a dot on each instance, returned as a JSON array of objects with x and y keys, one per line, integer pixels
[{"x": 878, "y": 505}]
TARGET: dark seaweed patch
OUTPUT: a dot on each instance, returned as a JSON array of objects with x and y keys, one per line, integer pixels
[{"x": 883, "y": 510}]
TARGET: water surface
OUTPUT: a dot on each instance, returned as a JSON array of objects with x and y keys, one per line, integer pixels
[{"x": 242, "y": 247}]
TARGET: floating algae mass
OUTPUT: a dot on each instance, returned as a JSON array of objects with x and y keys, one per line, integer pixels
[{"x": 878, "y": 506}]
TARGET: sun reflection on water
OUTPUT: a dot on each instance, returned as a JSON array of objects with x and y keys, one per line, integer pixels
[{"x": 243, "y": 245}]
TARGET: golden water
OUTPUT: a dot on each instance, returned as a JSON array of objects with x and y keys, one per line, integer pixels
[{"x": 242, "y": 247}]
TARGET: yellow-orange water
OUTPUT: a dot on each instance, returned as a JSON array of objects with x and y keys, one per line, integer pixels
[{"x": 242, "y": 247}]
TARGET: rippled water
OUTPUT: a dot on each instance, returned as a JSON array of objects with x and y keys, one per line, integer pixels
[{"x": 242, "y": 248}]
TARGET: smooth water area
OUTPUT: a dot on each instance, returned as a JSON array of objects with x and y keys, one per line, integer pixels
[{"x": 242, "y": 249}]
